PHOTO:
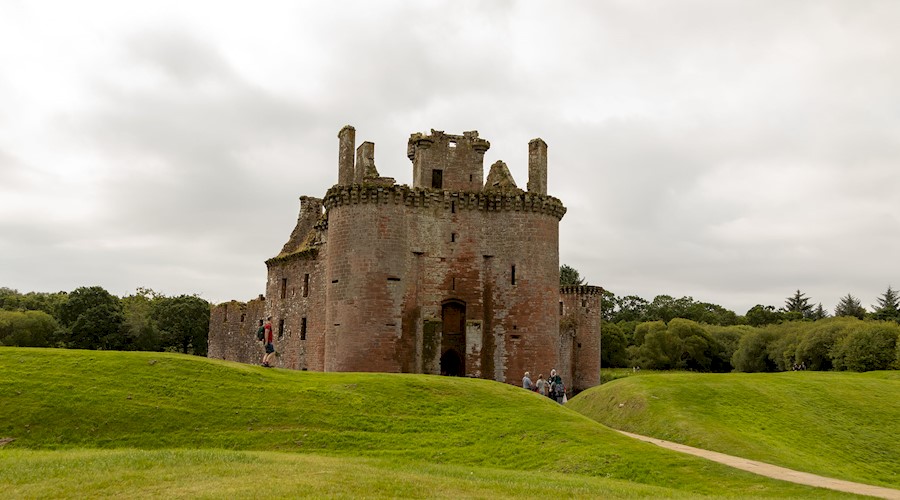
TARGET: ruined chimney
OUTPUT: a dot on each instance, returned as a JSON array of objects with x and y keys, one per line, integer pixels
[
  {"x": 537, "y": 166},
  {"x": 365, "y": 162},
  {"x": 347, "y": 143}
]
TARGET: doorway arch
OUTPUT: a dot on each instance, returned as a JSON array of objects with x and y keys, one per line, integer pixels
[
  {"x": 452, "y": 364},
  {"x": 453, "y": 338}
]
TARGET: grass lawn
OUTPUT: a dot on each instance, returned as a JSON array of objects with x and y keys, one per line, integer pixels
[
  {"x": 90, "y": 423},
  {"x": 836, "y": 424}
]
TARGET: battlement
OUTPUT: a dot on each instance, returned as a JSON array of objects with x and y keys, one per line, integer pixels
[
  {"x": 580, "y": 290},
  {"x": 518, "y": 201}
]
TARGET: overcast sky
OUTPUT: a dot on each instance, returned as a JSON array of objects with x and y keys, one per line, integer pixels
[{"x": 729, "y": 151}]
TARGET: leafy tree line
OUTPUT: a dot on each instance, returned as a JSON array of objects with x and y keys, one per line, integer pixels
[
  {"x": 797, "y": 307},
  {"x": 839, "y": 343},
  {"x": 682, "y": 333},
  {"x": 92, "y": 318}
]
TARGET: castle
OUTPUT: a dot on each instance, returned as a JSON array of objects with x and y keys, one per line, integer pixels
[{"x": 455, "y": 275}]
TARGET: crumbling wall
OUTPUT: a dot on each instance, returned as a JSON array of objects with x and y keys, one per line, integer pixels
[
  {"x": 579, "y": 335},
  {"x": 296, "y": 291},
  {"x": 232, "y": 330}
]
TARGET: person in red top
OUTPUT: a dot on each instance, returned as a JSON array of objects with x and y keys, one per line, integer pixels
[{"x": 269, "y": 340}]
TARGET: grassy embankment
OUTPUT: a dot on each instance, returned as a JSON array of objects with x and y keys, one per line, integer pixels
[
  {"x": 92, "y": 424},
  {"x": 836, "y": 424}
]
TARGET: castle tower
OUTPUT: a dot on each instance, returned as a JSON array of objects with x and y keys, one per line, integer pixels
[
  {"x": 579, "y": 336},
  {"x": 448, "y": 162}
]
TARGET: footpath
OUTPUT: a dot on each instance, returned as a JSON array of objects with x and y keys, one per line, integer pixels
[{"x": 775, "y": 471}]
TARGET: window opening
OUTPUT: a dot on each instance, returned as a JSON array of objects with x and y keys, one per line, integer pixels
[
  {"x": 280, "y": 329},
  {"x": 560, "y": 308},
  {"x": 283, "y": 287},
  {"x": 437, "y": 179},
  {"x": 452, "y": 237},
  {"x": 306, "y": 285},
  {"x": 452, "y": 144},
  {"x": 452, "y": 207},
  {"x": 242, "y": 317},
  {"x": 513, "y": 275},
  {"x": 303, "y": 328}
]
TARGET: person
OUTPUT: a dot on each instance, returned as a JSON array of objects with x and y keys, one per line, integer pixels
[
  {"x": 261, "y": 331},
  {"x": 557, "y": 388},
  {"x": 526, "y": 382},
  {"x": 269, "y": 340},
  {"x": 541, "y": 385}
]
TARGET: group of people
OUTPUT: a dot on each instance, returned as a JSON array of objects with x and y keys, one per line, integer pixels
[
  {"x": 552, "y": 387},
  {"x": 264, "y": 334}
]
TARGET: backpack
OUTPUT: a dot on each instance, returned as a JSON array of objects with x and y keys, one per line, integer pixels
[{"x": 260, "y": 333}]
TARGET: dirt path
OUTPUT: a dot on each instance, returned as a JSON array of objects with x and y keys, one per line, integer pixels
[{"x": 776, "y": 472}]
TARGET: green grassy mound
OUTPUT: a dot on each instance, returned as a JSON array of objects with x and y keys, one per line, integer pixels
[
  {"x": 89, "y": 423},
  {"x": 842, "y": 425}
]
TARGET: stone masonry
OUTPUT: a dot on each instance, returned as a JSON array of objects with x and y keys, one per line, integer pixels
[{"x": 454, "y": 275}]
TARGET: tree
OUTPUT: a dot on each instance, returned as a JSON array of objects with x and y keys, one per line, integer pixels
[
  {"x": 682, "y": 344},
  {"x": 760, "y": 315},
  {"x": 819, "y": 313},
  {"x": 871, "y": 346},
  {"x": 663, "y": 308},
  {"x": 613, "y": 346},
  {"x": 727, "y": 338},
  {"x": 183, "y": 323},
  {"x": 752, "y": 354},
  {"x": 888, "y": 307},
  {"x": 850, "y": 306},
  {"x": 607, "y": 306},
  {"x": 139, "y": 330},
  {"x": 93, "y": 319},
  {"x": 27, "y": 329},
  {"x": 814, "y": 348},
  {"x": 630, "y": 308},
  {"x": 798, "y": 307},
  {"x": 569, "y": 276},
  {"x": 50, "y": 303}
]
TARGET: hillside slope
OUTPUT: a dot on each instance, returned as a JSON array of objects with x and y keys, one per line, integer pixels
[
  {"x": 66, "y": 401},
  {"x": 841, "y": 425}
]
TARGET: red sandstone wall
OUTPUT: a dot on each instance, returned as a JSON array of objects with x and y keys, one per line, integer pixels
[
  {"x": 292, "y": 298},
  {"x": 393, "y": 263},
  {"x": 232, "y": 331},
  {"x": 524, "y": 320},
  {"x": 579, "y": 336},
  {"x": 366, "y": 279}
]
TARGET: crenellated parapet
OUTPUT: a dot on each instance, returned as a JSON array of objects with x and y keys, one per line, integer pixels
[
  {"x": 519, "y": 201},
  {"x": 581, "y": 289}
]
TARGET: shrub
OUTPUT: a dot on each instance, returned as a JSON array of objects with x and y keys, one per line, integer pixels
[
  {"x": 869, "y": 346},
  {"x": 752, "y": 354},
  {"x": 815, "y": 345}
]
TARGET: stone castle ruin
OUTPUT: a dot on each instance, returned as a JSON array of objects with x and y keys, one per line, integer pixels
[{"x": 454, "y": 275}]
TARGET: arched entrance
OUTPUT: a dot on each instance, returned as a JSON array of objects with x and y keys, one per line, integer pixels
[
  {"x": 452, "y": 364},
  {"x": 453, "y": 338}
]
